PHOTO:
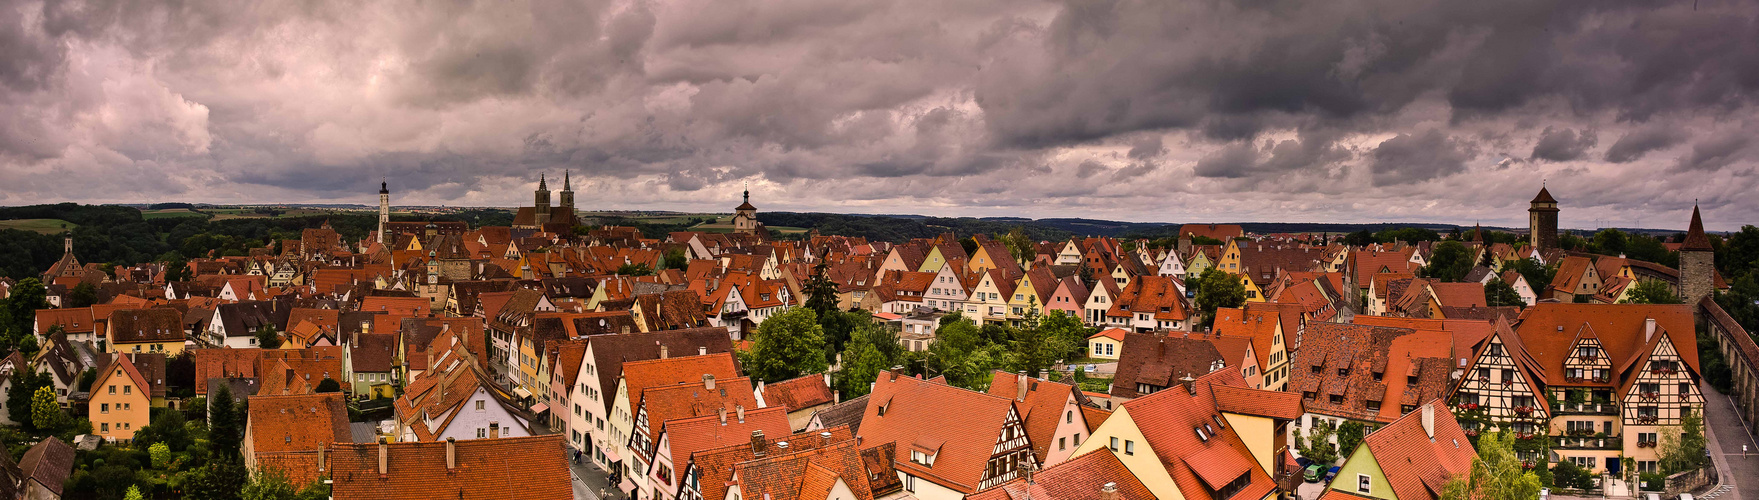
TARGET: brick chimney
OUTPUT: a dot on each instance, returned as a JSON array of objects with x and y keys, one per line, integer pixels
[
  {"x": 758, "y": 445},
  {"x": 1429, "y": 420},
  {"x": 384, "y": 458},
  {"x": 740, "y": 409},
  {"x": 1109, "y": 491}
]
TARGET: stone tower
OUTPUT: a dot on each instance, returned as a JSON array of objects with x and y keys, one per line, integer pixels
[
  {"x": 1542, "y": 221},
  {"x": 541, "y": 206},
  {"x": 1697, "y": 263},
  {"x": 745, "y": 216},
  {"x": 567, "y": 212},
  {"x": 384, "y": 209}
]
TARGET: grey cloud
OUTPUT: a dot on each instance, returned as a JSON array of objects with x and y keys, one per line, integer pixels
[
  {"x": 1563, "y": 144},
  {"x": 1716, "y": 152},
  {"x": 1313, "y": 151},
  {"x": 1633, "y": 145},
  {"x": 1415, "y": 158}
]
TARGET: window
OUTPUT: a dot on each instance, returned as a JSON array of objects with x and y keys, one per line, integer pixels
[
  {"x": 1062, "y": 443},
  {"x": 1129, "y": 447},
  {"x": 1364, "y": 483},
  {"x": 104, "y": 408},
  {"x": 479, "y": 405},
  {"x": 1114, "y": 446},
  {"x": 1069, "y": 416},
  {"x": 112, "y": 389},
  {"x": 481, "y": 433},
  {"x": 909, "y": 483}
]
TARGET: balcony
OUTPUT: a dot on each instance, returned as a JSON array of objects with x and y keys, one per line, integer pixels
[
  {"x": 1589, "y": 442},
  {"x": 1602, "y": 408}
]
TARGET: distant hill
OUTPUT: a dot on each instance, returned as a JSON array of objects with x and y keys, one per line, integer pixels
[{"x": 902, "y": 227}]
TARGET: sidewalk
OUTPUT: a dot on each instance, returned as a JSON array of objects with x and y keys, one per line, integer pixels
[{"x": 589, "y": 480}]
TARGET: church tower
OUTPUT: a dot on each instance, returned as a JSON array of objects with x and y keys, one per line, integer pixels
[
  {"x": 745, "y": 216},
  {"x": 541, "y": 208},
  {"x": 567, "y": 213},
  {"x": 1697, "y": 263},
  {"x": 384, "y": 209},
  {"x": 1542, "y": 221}
]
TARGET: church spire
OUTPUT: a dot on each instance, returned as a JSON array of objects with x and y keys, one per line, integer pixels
[
  {"x": 565, "y": 186},
  {"x": 748, "y": 191},
  {"x": 1695, "y": 238},
  {"x": 541, "y": 185}
]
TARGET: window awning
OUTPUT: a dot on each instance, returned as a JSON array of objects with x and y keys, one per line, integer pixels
[{"x": 522, "y": 392}]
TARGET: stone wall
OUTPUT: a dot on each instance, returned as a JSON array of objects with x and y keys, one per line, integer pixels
[
  {"x": 1697, "y": 275},
  {"x": 1742, "y": 355},
  {"x": 1688, "y": 481}
]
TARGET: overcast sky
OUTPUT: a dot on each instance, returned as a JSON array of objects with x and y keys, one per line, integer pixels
[{"x": 1140, "y": 110}]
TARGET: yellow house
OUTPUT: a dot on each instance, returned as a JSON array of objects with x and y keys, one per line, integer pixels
[
  {"x": 1230, "y": 260},
  {"x": 1242, "y": 438},
  {"x": 933, "y": 261},
  {"x": 1106, "y": 344},
  {"x": 1253, "y": 292},
  {"x": 1199, "y": 263},
  {"x": 121, "y": 401},
  {"x": 146, "y": 330},
  {"x": 981, "y": 260},
  {"x": 989, "y": 300},
  {"x": 1029, "y": 296}
]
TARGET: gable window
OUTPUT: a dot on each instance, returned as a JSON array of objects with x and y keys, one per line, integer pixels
[
  {"x": 1129, "y": 447},
  {"x": 1364, "y": 483}
]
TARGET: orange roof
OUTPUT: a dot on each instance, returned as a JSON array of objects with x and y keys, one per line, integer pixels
[
  {"x": 1426, "y": 463},
  {"x": 1081, "y": 477},
  {"x": 297, "y": 425},
  {"x": 686, "y": 436},
  {"x": 1169, "y": 421},
  {"x": 73, "y": 320},
  {"x": 1258, "y": 325},
  {"x": 1042, "y": 409},
  {"x": 1548, "y": 332},
  {"x": 917, "y": 417},
  {"x": 1110, "y": 333},
  {"x": 521, "y": 467},
  {"x": 1271, "y": 404}
]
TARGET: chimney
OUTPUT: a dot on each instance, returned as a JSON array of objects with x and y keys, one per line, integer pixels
[
  {"x": 723, "y": 412},
  {"x": 1020, "y": 386},
  {"x": 708, "y": 381},
  {"x": 700, "y": 350},
  {"x": 824, "y": 438},
  {"x": 1429, "y": 420},
  {"x": 321, "y": 464},
  {"x": 662, "y": 351},
  {"x": 1648, "y": 329},
  {"x": 836, "y": 397},
  {"x": 384, "y": 458},
  {"x": 451, "y": 453},
  {"x": 1162, "y": 345},
  {"x": 1109, "y": 491},
  {"x": 740, "y": 409},
  {"x": 758, "y": 444}
]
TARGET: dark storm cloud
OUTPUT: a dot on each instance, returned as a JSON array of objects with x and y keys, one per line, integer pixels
[
  {"x": 1415, "y": 158},
  {"x": 974, "y": 104},
  {"x": 1563, "y": 144},
  {"x": 1633, "y": 145}
]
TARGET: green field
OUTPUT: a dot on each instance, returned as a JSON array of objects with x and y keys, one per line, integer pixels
[
  {"x": 170, "y": 212},
  {"x": 45, "y": 226}
]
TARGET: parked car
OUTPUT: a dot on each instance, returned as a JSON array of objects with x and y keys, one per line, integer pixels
[
  {"x": 1313, "y": 472},
  {"x": 1303, "y": 462},
  {"x": 1331, "y": 474}
]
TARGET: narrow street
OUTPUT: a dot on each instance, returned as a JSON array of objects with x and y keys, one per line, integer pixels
[
  {"x": 589, "y": 480},
  {"x": 1732, "y": 448}
]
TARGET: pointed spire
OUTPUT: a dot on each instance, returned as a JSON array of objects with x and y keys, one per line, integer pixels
[
  {"x": 565, "y": 186},
  {"x": 1695, "y": 238},
  {"x": 541, "y": 185}
]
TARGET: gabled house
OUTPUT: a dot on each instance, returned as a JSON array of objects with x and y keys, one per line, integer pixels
[
  {"x": 482, "y": 469},
  {"x": 1051, "y": 411},
  {"x": 1263, "y": 326},
  {"x": 596, "y": 384},
  {"x": 285, "y": 433},
  {"x": 942, "y": 454},
  {"x": 1150, "y": 363},
  {"x": 1412, "y": 458},
  {"x": 121, "y": 400}
]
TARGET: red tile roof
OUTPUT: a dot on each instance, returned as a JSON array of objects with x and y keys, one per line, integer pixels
[
  {"x": 1415, "y": 464},
  {"x": 498, "y": 469},
  {"x": 687, "y": 436},
  {"x": 288, "y": 430},
  {"x": 799, "y": 393},
  {"x": 1169, "y": 421},
  {"x": 917, "y": 411}
]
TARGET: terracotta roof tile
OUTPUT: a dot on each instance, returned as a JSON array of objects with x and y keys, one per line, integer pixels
[
  {"x": 523, "y": 467},
  {"x": 292, "y": 428},
  {"x": 798, "y": 393}
]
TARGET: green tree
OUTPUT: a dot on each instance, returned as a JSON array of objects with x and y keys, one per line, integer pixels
[
  {"x": 1360, "y": 238},
  {"x": 820, "y": 291},
  {"x": 18, "y": 312},
  {"x": 1537, "y": 275},
  {"x": 161, "y": 455},
  {"x": 1449, "y": 261},
  {"x": 1651, "y": 292},
  {"x": 1217, "y": 289},
  {"x": 1567, "y": 474},
  {"x": 176, "y": 271},
  {"x": 872, "y": 349},
  {"x": 1019, "y": 245},
  {"x": 82, "y": 295},
  {"x": 1497, "y": 293},
  {"x": 1497, "y": 473},
  {"x": 133, "y": 493},
  {"x": 1349, "y": 436},
  {"x": 19, "y": 397},
  {"x": 168, "y": 428},
  {"x": 635, "y": 269},
  {"x": 268, "y": 485},
  {"x": 87, "y": 378},
  {"x": 268, "y": 338},
  {"x": 1068, "y": 329},
  {"x": 962, "y": 353},
  {"x": 221, "y": 479},
  {"x": 1317, "y": 446},
  {"x": 1682, "y": 447},
  {"x": 46, "y": 413},
  {"x": 224, "y": 424},
  {"x": 675, "y": 259},
  {"x": 788, "y": 345},
  {"x": 1034, "y": 349},
  {"x": 329, "y": 385},
  {"x": 1609, "y": 242}
]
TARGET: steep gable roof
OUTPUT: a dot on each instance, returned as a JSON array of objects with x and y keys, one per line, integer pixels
[
  {"x": 916, "y": 417},
  {"x": 521, "y": 467}
]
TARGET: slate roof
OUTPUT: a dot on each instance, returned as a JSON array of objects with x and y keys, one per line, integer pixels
[
  {"x": 522, "y": 467},
  {"x": 48, "y": 462},
  {"x": 847, "y": 413}
]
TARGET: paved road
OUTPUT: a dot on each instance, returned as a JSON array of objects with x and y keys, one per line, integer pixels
[
  {"x": 1727, "y": 436},
  {"x": 589, "y": 480}
]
